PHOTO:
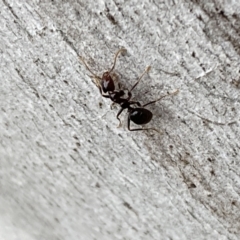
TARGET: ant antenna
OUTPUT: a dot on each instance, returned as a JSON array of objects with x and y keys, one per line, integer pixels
[
  {"x": 145, "y": 71},
  {"x": 87, "y": 67},
  {"x": 170, "y": 94},
  {"x": 115, "y": 58},
  {"x": 114, "y": 63}
]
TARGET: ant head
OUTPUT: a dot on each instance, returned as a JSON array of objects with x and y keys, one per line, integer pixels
[{"x": 107, "y": 83}]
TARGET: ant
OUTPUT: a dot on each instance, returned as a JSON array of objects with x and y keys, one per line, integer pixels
[{"x": 139, "y": 115}]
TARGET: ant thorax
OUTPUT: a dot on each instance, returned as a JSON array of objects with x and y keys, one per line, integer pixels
[{"x": 119, "y": 96}]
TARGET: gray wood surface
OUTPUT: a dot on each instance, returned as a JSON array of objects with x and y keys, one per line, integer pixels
[{"x": 68, "y": 172}]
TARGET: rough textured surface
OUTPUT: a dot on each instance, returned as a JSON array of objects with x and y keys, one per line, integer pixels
[{"x": 67, "y": 171}]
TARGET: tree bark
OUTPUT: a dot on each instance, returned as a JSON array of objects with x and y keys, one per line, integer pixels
[{"x": 68, "y": 172}]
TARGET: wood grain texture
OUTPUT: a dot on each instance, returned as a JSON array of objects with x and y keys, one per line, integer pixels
[{"x": 68, "y": 172}]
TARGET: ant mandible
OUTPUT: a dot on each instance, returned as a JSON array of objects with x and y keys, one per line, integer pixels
[{"x": 139, "y": 115}]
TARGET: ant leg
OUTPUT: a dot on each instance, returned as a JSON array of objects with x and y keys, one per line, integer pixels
[
  {"x": 170, "y": 94},
  {"x": 139, "y": 129},
  {"x": 115, "y": 58},
  {"x": 106, "y": 96},
  {"x": 137, "y": 103},
  {"x": 129, "y": 95},
  {"x": 145, "y": 71},
  {"x": 100, "y": 90},
  {"x": 120, "y": 111}
]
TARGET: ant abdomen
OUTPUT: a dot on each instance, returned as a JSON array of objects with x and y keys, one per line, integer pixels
[{"x": 140, "y": 116}]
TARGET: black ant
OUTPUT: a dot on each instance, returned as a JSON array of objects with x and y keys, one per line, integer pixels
[{"x": 139, "y": 115}]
